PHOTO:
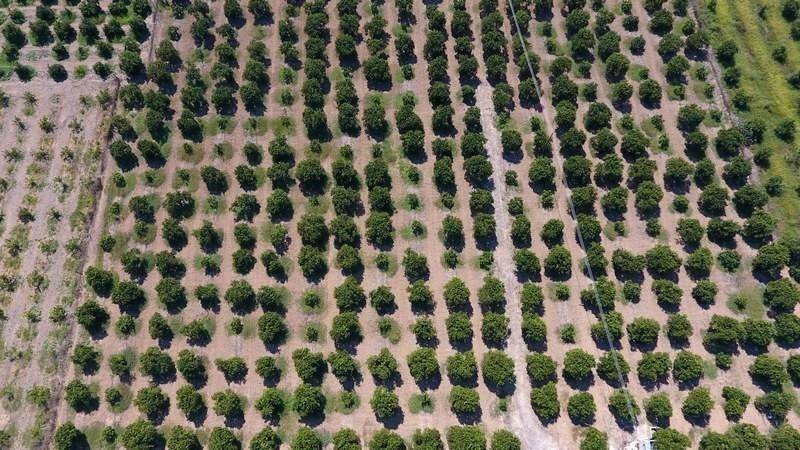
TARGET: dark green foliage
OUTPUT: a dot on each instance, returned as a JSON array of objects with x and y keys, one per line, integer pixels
[
  {"x": 768, "y": 370},
  {"x": 581, "y": 408},
  {"x": 80, "y": 397},
  {"x": 544, "y": 401},
  {"x": 736, "y": 401},
  {"x": 578, "y": 365},
  {"x": 653, "y": 367},
  {"x": 497, "y": 368}
]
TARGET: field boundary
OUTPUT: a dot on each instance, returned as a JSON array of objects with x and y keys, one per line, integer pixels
[{"x": 88, "y": 247}]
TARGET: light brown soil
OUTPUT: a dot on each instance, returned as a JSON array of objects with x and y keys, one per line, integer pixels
[{"x": 520, "y": 417}]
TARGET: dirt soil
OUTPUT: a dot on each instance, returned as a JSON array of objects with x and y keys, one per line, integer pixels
[{"x": 36, "y": 348}]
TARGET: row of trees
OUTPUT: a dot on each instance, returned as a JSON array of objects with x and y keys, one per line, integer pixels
[
  {"x": 123, "y": 22},
  {"x": 143, "y": 434},
  {"x": 314, "y": 232},
  {"x": 179, "y": 438}
]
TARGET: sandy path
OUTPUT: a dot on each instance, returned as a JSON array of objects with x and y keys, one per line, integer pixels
[{"x": 521, "y": 419}]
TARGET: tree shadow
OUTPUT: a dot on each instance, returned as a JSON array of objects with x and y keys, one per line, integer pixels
[
  {"x": 697, "y": 420},
  {"x": 394, "y": 421},
  {"x": 524, "y": 277},
  {"x": 313, "y": 420},
  {"x": 689, "y": 384},
  {"x": 752, "y": 349},
  {"x": 613, "y": 381},
  {"x": 650, "y": 385},
  {"x": 431, "y": 383},
  {"x": 350, "y": 383},
  {"x": 662, "y": 422},
  {"x": 582, "y": 384},
  {"x": 470, "y": 418},
  {"x": 234, "y": 421},
  {"x": 97, "y": 333},
  {"x": 381, "y": 86},
  {"x": 350, "y": 346},
  {"x": 390, "y": 383},
  {"x": 623, "y": 422},
  {"x": 624, "y": 107},
  {"x": 679, "y": 343},
  {"x": 487, "y": 244},
  {"x": 513, "y": 156}
]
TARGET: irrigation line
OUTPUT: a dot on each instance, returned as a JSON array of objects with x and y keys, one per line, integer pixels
[{"x": 612, "y": 348}]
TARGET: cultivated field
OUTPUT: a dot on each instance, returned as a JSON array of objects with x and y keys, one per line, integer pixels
[{"x": 345, "y": 224}]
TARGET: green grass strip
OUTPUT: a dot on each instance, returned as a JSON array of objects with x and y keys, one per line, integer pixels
[{"x": 764, "y": 81}]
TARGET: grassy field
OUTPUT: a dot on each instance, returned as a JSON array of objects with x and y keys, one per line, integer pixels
[{"x": 758, "y": 28}]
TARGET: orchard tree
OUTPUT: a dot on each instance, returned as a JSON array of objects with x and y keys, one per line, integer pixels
[
  {"x": 384, "y": 403},
  {"x": 544, "y": 401},
  {"x": 386, "y": 440},
  {"x": 346, "y": 439},
  {"x": 668, "y": 438},
  {"x": 653, "y": 367},
  {"x": 101, "y": 281},
  {"x": 464, "y": 400},
  {"x": 423, "y": 365},
  {"x": 578, "y": 365},
  {"x": 781, "y": 295},
  {"x": 658, "y": 408},
  {"x": 152, "y": 402},
  {"x": 491, "y": 296},
  {"x": 643, "y": 331},
  {"x": 690, "y": 231},
  {"x": 505, "y": 440},
  {"x": 462, "y": 368},
  {"x": 687, "y": 367},
  {"x": 623, "y": 406},
  {"x": 308, "y": 401},
  {"x": 787, "y": 329},
  {"x": 345, "y": 329},
  {"x": 661, "y": 260},
  {"x": 156, "y": 364},
  {"x": 581, "y": 408},
  {"x": 272, "y": 330},
  {"x": 495, "y": 329},
  {"x": 310, "y": 366},
  {"x": 191, "y": 367},
  {"x": 770, "y": 259},
  {"x": 223, "y": 439},
  {"x": 382, "y": 366},
  {"x": 594, "y": 439},
  {"x": 698, "y": 404},
  {"x": 769, "y": 370},
  {"x": 68, "y": 437},
  {"x": 80, "y": 397},
  {"x": 140, "y": 434},
  {"x": 182, "y": 438},
  {"x": 541, "y": 368},
  {"x": 343, "y": 366},
  {"x": 775, "y": 405},
  {"x": 757, "y": 332},
  {"x": 497, "y": 368},
  {"x": 558, "y": 263}
]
